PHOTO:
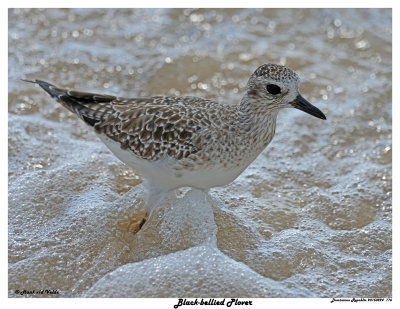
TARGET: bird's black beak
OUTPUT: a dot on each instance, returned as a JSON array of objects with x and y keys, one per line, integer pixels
[{"x": 305, "y": 106}]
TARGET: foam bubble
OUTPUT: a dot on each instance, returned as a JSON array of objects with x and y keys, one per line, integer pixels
[{"x": 201, "y": 271}]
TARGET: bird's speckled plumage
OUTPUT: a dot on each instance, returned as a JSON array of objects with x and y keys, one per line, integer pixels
[{"x": 188, "y": 141}]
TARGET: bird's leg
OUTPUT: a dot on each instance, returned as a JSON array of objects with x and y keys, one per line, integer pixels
[
  {"x": 134, "y": 225},
  {"x": 152, "y": 199}
]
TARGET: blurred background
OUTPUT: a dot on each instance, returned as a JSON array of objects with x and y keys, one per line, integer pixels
[{"x": 311, "y": 217}]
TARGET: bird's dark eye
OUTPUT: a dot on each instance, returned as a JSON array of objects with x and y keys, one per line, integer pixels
[{"x": 273, "y": 89}]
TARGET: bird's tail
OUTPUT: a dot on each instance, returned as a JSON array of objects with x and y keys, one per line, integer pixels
[{"x": 90, "y": 107}]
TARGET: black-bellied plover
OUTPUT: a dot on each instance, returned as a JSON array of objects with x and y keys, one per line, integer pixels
[{"x": 187, "y": 141}]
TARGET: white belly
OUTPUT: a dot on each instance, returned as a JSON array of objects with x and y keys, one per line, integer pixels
[{"x": 162, "y": 176}]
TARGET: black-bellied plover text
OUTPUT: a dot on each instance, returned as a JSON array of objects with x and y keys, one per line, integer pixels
[{"x": 188, "y": 141}]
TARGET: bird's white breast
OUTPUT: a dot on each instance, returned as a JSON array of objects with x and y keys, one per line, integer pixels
[{"x": 165, "y": 176}]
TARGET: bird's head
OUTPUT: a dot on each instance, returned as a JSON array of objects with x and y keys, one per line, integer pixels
[{"x": 273, "y": 87}]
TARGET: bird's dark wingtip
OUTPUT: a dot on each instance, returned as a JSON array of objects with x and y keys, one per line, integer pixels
[
  {"x": 72, "y": 100},
  {"x": 49, "y": 88},
  {"x": 45, "y": 85},
  {"x": 28, "y": 81}
]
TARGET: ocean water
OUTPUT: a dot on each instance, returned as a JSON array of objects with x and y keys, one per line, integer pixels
[{"x": 311, "y": 217}]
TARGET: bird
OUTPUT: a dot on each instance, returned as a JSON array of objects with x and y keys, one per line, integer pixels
[{"x": 187, "y": 141}]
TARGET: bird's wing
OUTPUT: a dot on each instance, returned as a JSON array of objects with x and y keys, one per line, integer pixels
[{"x": 149, "y": 127}]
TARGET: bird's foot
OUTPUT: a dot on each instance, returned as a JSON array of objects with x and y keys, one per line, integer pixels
[
  {"x": 144, "y": 220},
  {"x": 136, "y": 226},
  {"x": 133, "y": 224}
]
